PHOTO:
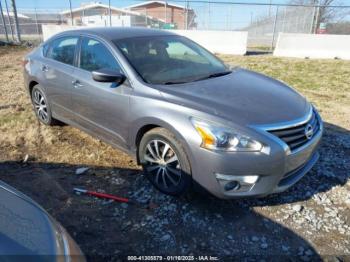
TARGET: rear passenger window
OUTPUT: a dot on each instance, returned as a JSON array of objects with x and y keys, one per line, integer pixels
[
  {"x": 63, "y": 50},
  {"x": 94, "y": 56}
]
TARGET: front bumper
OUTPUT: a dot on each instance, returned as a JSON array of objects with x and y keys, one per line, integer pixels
[
  {"x": 278, "y": 169},
  {"x": 294, "y": 176}
]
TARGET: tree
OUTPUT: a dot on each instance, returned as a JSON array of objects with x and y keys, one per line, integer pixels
[
  {"x": 326, "y": 13},
  {"x": 342, "y": 28}
]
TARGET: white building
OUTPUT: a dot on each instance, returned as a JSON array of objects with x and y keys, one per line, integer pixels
[{"x": 97, "y": 14}]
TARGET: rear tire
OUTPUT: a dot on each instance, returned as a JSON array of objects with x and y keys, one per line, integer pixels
[
  {"x": 165, "y": 162},
  {"x": 41, "y": 106}
]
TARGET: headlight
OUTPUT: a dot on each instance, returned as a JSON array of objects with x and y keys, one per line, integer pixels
[{"x": 216, "y": 137}]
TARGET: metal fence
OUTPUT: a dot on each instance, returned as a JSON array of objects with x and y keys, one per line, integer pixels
[{"x": 262, "y": 21}]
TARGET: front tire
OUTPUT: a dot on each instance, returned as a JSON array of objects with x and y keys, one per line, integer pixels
[
  {"x": 41, "y": 106},
  {"x": 165, "y": 162}
]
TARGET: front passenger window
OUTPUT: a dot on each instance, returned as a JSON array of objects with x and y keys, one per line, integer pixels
[{"x": 94, "y": 56}]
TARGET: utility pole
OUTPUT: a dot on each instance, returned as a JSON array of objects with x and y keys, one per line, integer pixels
[
  {"x": 274, "y": 29},
  {"x": 71, "y": 12},
  {"x": 3, "y": 22},
  {"x": 231, "y": 21},
  {"x": 14, "y": 9},
  {"x": 9, "y": 19},
  {"x": 208, "y": 26},
  {"x": 186, "y": 18},
  {"x": 313, "y": 19},
  {"x": 37, "y": 25},
  {"x": 317, "y": 15},
  {"x": 110, "y": 12},
  {"x": 146, "y": 21},
  {"x": 165, "y": 10}
]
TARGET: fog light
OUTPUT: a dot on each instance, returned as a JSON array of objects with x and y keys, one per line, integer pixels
[
  {"x": 233, "y": 185},
  {"x": 236, "y": 183}
]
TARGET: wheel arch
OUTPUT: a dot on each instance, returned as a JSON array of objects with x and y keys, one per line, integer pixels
[
  {"x": 142, "y": 127},
  {"x": 31, "y": 85}
]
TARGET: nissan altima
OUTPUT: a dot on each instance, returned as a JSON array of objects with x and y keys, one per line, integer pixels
[{"x": 186, "y": 116}]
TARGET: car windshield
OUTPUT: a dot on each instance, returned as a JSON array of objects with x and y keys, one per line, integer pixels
[{"x": 170, "y": 59}]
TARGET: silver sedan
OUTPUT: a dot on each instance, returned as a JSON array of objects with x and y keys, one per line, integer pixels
[{"x": 186, "y": 116}]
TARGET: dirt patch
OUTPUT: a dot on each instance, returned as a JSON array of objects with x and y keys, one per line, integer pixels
[{"x": 310, "y": 220}]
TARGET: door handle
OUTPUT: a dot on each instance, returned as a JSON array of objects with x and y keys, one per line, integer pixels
[
  {"x": 44, "y": 68},
  {"x": 77, "y": 84}
]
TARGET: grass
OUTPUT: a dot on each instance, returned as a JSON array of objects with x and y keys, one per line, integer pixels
[
  {"x": 14, "y": 118},
  {"x": 323, "y": 82}
]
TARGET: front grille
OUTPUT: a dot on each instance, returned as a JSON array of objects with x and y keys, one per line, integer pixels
[{"x": 296, "y": 136}]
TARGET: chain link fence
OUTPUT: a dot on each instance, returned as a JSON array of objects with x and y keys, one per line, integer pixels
[{"x": 262, "y": 21}]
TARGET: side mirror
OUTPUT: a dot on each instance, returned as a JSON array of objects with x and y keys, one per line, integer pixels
[{"x": 108, "y": 76}]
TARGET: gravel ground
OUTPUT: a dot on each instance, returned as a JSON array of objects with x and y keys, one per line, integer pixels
[{"x": 309, "y": 222}]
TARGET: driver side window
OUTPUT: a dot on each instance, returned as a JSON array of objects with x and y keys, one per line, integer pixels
[{"x": 94, "y": 56}]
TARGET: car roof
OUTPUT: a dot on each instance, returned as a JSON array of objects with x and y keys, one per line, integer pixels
[{"x": 115, "y": 33}]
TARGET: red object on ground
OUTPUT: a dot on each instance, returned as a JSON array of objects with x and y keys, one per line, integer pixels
[{"x": 102, "y": 195}]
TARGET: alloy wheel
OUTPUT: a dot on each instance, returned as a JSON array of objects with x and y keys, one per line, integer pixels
[
  {"x": 40, "y": 105},
  {"x": 162, "y": 164}
]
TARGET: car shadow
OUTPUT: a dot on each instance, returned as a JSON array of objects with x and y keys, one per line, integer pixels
[{"x": 258, "y": 52}]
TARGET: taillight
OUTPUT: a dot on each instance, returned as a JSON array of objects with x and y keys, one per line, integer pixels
[{"x": 24, "y": 62}]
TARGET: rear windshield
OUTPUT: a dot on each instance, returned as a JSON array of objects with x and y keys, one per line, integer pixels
[{"x": 169, "y": 59}]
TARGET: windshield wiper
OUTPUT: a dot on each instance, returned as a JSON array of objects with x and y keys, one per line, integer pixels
[
  {"x": 214, "y": 75},
  {"x": 198, "y": 79}
]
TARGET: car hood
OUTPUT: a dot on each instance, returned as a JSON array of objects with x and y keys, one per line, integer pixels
[
  {"x": 244, "y": 97},
  {"x": 25, "y": 228}
]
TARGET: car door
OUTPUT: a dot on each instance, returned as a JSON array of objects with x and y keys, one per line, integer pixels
[
  {"x": 102, "y": 108},
  {"x": 57, "y": 73}
]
